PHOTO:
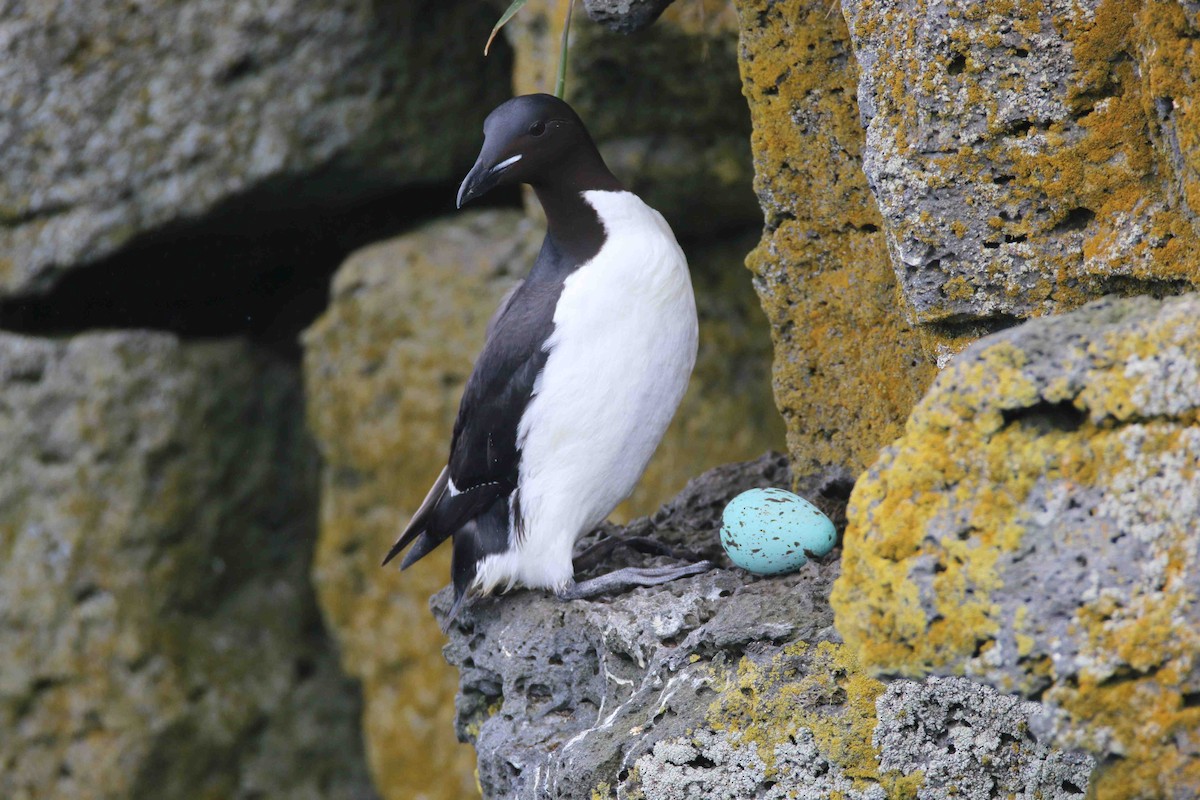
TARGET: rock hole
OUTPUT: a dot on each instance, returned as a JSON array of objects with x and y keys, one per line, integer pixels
[
  {"x": 991, "y": 245},
  {"x": 1007, "y": 739},
  {"x": 1126, "y": 673},
  {"x": 1002, "y": 180},
  {"x": 555, "y": 660},
  {"x": 1067, "y": 786},
  {"x": 1020, "y": 237},
  {"x": 700, "y": 761},
  {"x": 538, "y": 693},
  {"x": 304, "y": 668},
  {"x": 236, "y": 69},
  {"x": 1021, "y": 52},
  {"x": 1018, "y": 127},
  {"x": 1077, "y": 219},
  {"x": 957, "y": 64},
  {"x": 1045, "y": 417},
  {"x": 1190, "y": 700}
]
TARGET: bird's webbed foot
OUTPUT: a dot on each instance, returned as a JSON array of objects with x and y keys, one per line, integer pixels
[
  {"x": 629, "y": 578},
  {"x": 594, "y": 555}
]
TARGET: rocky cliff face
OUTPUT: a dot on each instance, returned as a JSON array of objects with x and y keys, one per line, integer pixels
[
  {"x": 848, "y": 363},
  {"x": 1016, "y": 598},
  {"x": 1036, "y": 528},
  {"x": 160, "y": 638},
  {"x": 386, "y": 363},
  {"x": 122, "y": 120},
  {"x": 1032, "y": 529},
  {"x": 1027, "y": 157},
  {"x": 721, "y": 686}
]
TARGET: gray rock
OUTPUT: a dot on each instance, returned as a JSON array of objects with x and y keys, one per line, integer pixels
[
  {"x": 1036, "y": 529},
  {"x": 722, "y": 685},
  {"x": 712, "y": 766},
  {"x": 122, "y": 119},
  {"x": 972, "y": 742},
  {"x": 625, "y": 16},
  {"x": 159, "y": 632},
  {"x": 1008, "y": 152}
]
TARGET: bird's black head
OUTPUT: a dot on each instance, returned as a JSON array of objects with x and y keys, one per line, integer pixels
[{"x": 535, "y": 139}]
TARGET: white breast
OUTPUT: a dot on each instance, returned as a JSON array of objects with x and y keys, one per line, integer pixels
[{"x": 623, "y": 347}]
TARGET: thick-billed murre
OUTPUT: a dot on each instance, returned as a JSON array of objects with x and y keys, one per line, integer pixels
[{"x": 584, "y": 365}]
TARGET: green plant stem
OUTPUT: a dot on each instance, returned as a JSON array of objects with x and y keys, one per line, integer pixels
[{"x": 560, "y": 86}]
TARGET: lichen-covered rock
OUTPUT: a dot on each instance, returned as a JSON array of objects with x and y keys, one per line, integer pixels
[
  {"x": 385, "y": 367},
  {"x": 848, "y": 368},
  {"x": 716, "y": 686},
  {"x": 664, "y": 106},
  {"x": 159, "y": 635},
  {"x": 1028, "y": 157},
  {"x": 970, "y": 741},
  {"x": 120, "y": 120},
  {"x": 1036, "y": 528}
]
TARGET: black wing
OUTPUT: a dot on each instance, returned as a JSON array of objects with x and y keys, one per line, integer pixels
[{"x": 484, "y": 459}]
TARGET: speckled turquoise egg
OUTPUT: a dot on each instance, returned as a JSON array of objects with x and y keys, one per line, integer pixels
[{"x": 767, "y": 531}]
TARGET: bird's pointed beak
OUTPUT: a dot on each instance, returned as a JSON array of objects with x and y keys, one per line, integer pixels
[{"x": 483, "y": 177}]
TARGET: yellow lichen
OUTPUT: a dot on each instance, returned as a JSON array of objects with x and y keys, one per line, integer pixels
[
  {"x": 961, "y": 458},
  {"x": 848, "y": 367},
  {"x": 1118, "y": 172},
  {"x": 766, "y": 704}
]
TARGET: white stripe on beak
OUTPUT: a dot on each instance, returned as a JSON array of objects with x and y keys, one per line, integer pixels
[{"x": 508, "y": 162}]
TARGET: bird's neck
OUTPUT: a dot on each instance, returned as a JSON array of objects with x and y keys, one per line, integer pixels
[{"x": 572, "y": 224}]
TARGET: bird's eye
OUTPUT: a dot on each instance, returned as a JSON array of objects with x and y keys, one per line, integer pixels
[{"x": 537, "y": 129}]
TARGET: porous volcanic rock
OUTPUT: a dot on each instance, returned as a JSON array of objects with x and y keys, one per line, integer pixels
[
  {"x": 159, "y": 634},
  {"x": 1029, "y": 157},
  {"x": 384, "y": 370},
  {"x": 719, "y": 686},
  {"x": 122, "y": 119},
  {"x": 848, "y": 366},
  {"x": 1036, "y": 528}
]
